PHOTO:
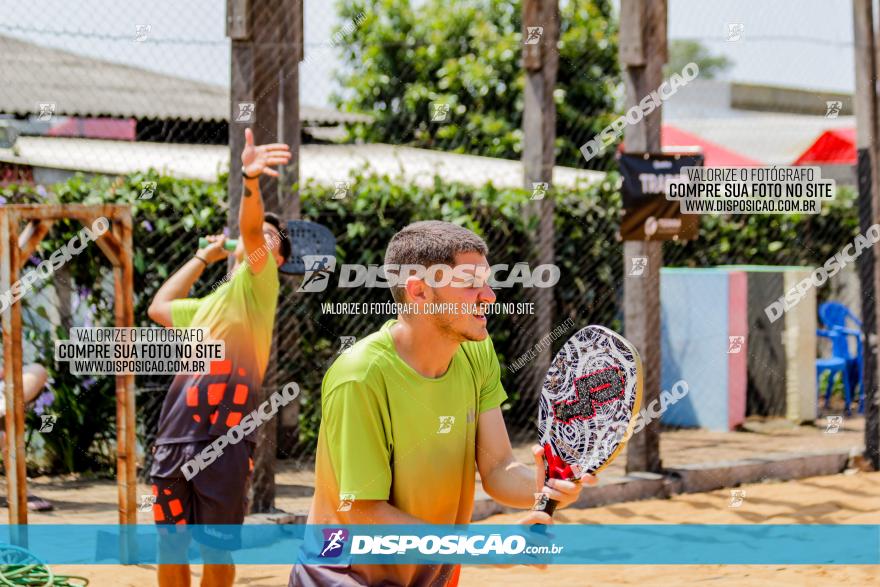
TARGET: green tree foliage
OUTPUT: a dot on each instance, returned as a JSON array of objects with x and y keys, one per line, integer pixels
[
  {"x": 682, "y": 52},
  {"x": 404, "y": 55}
]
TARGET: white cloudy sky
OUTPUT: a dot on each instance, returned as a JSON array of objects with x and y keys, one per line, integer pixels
[{"x": 798, "y": 43}]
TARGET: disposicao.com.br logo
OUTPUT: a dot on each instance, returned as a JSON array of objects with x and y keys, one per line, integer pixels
[
  {"x": 320, "y": 267},
  {"x": 334, "y": 542},
  {"x": 474, "y": 545}
]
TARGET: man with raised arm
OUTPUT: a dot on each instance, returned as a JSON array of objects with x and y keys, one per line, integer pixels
[{"x": 200, "y": 408}]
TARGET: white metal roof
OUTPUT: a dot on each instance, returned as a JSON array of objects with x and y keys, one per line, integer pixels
[
  {"x": 83, "y": 86},
  {"x": 325, "y": 164}
]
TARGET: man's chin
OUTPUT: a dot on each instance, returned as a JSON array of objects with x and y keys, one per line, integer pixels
[{"x": 476, "y": 335}]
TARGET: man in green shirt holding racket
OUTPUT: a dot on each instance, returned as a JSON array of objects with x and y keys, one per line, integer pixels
[{"x": 410, "y": 413}]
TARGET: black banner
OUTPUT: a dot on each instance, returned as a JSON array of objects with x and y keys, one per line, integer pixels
[{"x": 647, "y": 214}]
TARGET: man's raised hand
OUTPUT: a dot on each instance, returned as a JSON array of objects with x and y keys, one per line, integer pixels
[{"x": 259, "y": 159}]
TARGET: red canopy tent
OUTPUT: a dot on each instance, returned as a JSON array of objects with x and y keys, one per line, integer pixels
[
  {"x": 833, "y": 147},
  {"x": 715, "y": 155}
]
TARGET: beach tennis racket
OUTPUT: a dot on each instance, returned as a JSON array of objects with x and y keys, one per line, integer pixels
[{"x": 588, "y": 406}]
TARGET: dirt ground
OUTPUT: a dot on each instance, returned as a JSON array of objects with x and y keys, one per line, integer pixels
[
  {"x": 840, "y": 499},
  {"x": 79, "y": 501}
]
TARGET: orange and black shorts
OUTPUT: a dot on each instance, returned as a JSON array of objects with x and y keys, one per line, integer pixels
[{"x": 217, "y": 494}]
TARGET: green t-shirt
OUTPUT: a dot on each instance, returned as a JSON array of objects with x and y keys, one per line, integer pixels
[
  {"x": 241, "y": 313},
  {"x": 389, "y": 433}
]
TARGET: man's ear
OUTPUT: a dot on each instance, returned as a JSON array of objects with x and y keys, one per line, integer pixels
[
  {"x": 279, "y": 259},
  {"x": 416, "y": 289}
]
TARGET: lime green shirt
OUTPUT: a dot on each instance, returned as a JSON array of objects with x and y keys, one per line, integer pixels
[
  {"x": 241, "y": 313},
  {"x": 389, "y": 433}
]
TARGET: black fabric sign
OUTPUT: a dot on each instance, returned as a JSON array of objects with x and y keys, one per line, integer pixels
[{"x": 648, "y": 215}]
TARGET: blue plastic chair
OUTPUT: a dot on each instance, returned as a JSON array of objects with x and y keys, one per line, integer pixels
[
  {"x": 834, "y": 365},
  {"x": 834, "y": 316}
]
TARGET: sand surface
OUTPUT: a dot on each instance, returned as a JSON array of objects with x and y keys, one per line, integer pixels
[{"x": 840, "y": 499}]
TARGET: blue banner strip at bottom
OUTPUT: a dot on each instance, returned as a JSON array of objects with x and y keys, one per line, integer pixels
[{"x": 672, "y": 544}]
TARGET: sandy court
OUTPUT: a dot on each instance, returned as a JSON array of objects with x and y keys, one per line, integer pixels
[
  {"x": 839, "y": 499},
  {"x": 83, "y": 501}
]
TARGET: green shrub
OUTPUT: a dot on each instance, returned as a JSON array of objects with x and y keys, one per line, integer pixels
[{"x": 586, "y": 247}]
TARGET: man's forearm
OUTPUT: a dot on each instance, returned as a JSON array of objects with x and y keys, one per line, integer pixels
[
  {"x": 178, "y": 285},
  {"x": 512, "y": 484},
  {"x": 250, "y": 211}
]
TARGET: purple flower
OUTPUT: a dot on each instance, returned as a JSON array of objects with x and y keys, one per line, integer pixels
[
  {"x": 147, "y": 225},
  {"x": 2, "y": 200},
  {"x": 35, "y": 260},
  {"x": 41, "y": 189},
  {"x": 88, "y": 382},
  {"x": 44, "y": 400}
]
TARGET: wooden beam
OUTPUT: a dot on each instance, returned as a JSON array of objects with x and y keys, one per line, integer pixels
[
  {"x": 267, "y": 76},
  {"x": 111, "y": 247},
  {"x": 541, "y": 63},
  {"x": 868, "y": 151},
  {"x": 643, "y": 26},
  {"x": 126, "y": 421},
  {"x": 81, "y": 212},
  {"x": 119, "y": 245},
  {"x": 31, "y": 237},
  {"x": 16, "y": 473}
]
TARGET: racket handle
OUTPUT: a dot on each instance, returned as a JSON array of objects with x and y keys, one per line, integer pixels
[
  {"x": 229, "y": 245},
  {"x": 549, "y": 508}
]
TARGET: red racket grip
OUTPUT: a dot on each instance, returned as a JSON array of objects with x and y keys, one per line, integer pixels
[{"x": 556, "y": 469}]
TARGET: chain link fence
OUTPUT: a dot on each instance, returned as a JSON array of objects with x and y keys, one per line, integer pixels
[{"x": 134, "y": 88}]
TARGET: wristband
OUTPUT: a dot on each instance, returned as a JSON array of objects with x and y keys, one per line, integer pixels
[
  {"x": 200, "y": 259},
  {"x": 246, "y": 176}
]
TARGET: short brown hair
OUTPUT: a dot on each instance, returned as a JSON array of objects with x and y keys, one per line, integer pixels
[{"x": 430, "y": 242}]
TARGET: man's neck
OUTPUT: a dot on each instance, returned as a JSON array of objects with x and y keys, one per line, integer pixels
[{"x": 423, "y": 347}]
